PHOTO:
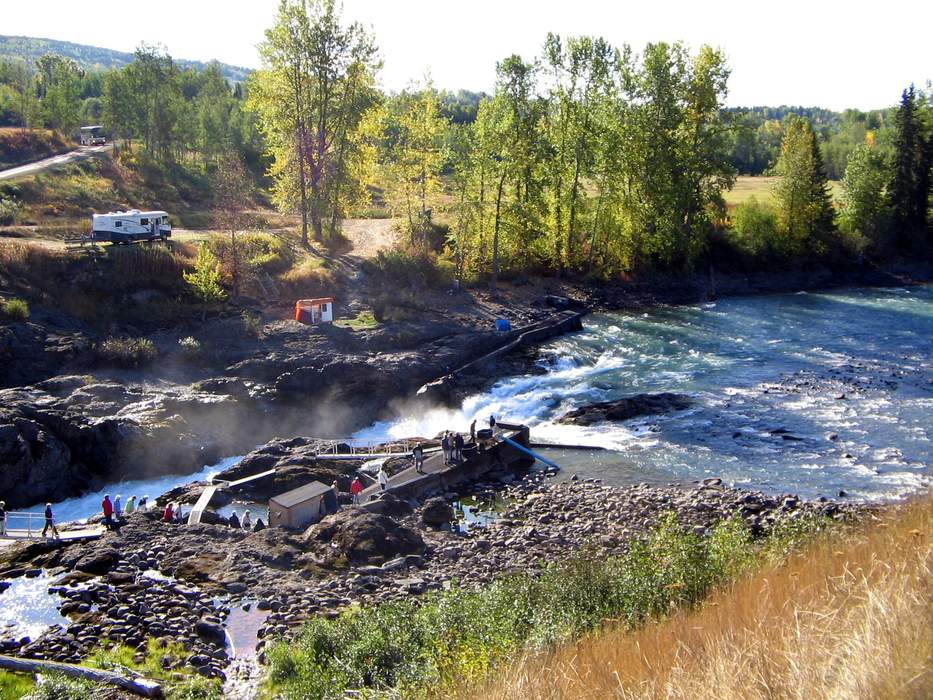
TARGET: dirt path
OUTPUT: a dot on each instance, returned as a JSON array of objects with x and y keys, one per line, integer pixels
[{"x": 61, "y": 159}]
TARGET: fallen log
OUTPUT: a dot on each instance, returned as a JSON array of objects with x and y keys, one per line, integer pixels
[{"x": 135, "y": 684}]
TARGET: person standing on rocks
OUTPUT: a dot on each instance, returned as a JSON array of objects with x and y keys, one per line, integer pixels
[
  {"x": 356, "y": 488},
  {"x": 418, "y": 455},
  {"x": 118, "y": 508},
  {"x": 247, "y": 521},
  {"x": 144, "y": 504},
  {"x": 2, "y": 518},
  {"x": 50, "y": 522},
  {"x": 383, "y": 478},
  {"x": 473, "y": 431},
  {"x": 492, "y": 421},
  {"x": 107, "y": 507},
  {"x": 458, "y": 447},
  {"x": 445, "y": 445},
  {"x": 130, "y": 505},
  {"x": 167, "y": 513}
]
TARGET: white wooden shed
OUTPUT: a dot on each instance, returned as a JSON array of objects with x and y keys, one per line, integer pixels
[{"x": 303, "y": 506}]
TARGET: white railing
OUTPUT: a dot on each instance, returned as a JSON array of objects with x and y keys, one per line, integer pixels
[
  {"x": 365, "y": 447},
  {"x": 22, "y": 524}
]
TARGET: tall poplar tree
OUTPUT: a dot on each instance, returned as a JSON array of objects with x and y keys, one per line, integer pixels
[{"x": 307, "y": 97}]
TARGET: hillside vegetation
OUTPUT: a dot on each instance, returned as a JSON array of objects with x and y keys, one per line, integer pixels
[
  {"x": 849, "y": 617},
  {"x": 94, "y": 57},
  {"x": 18, "y": 146}
]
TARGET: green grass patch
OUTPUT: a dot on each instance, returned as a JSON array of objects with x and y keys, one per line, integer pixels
[
  {"x": 162, "y": 662},
  {"x": 15, "y": 309},
  {"x": 447, "y": 638},
  {"x": 761, "y": 187},
  {"x": 15, "y": 685},
  {"x": 363, "y": 321}
]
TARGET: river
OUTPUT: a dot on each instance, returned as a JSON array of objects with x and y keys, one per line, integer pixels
[
  {"x": 746, "y": 362},
  {"x": 807, "y": 393}
]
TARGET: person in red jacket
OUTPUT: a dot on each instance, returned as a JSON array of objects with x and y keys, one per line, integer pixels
[
  {"x": 108, "y": 512},
  {"x": 356, "y": 488},
  {"x": 167, "y": 514}
]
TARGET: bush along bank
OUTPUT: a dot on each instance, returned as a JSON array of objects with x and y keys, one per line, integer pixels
[{"x": 419, "y": 648}]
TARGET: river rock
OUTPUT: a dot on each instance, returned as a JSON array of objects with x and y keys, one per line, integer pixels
[
  {"x": 625, "y": 408},
  {"x": 436, "y": 512}
]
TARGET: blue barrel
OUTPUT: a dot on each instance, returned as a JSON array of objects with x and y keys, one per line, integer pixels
[{"x": 502, "y": 324}]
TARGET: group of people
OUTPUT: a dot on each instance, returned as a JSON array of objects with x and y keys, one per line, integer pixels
[
  {"x": 246, "y": 522},
  {"x": 115, "y": 511}
]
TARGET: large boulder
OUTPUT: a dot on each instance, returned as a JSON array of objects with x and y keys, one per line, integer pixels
[
  {"x": 365, "y": 537},
  {"x": 627, "y": 407},
  {"x": 436, "y": 512}
]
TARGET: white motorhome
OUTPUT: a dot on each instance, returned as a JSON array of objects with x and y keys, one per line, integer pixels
[{"x": 129, "y": 226}]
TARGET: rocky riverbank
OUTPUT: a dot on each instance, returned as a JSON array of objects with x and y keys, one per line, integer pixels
[{"x": 178, "y": 583}]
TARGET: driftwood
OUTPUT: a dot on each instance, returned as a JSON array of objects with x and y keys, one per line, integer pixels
[{"x": 134, "y": 684}]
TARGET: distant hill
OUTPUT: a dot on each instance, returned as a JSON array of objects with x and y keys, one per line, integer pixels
[{"x": 19, "y": 47}]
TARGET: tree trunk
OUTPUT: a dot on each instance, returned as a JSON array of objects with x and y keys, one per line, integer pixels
[
  {"x": 135, "y": 684},
  {"x": 494, "y": 280},
  {"x": 572, "y": 218}
]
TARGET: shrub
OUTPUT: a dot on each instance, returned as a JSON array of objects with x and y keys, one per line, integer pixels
[
  {"x": 16, "y": 309},
  {"x": 408, "y": 267},
  {"x": 310, "y": 276},
  {"x": 9, "y": 210},
  {"x": 252, "y": 324},
  {"x": 755, "y": 227},
  {"x": 189, "y": 346},
  {"x": 55, "y": 686},
  {"x": 126, "y": 352},
  {"x": 205, "y": 279}
]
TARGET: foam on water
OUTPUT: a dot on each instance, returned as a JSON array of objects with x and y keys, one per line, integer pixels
[{"x": 726, "y": 355}]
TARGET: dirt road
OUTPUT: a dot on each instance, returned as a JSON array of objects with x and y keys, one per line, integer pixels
[{"x": 61, "y": 159}]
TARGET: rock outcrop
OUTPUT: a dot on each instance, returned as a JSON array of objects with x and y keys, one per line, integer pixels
[
  {"x": 64, "y": 435},
  {"x": 365, "y": 537},
  {"x": 625, "y": 408}
]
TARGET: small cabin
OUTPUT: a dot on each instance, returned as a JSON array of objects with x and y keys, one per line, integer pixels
[
  {"x": 129, "y": 226},
  {"x": 298, "y": 508},
  {"x": 315, "y": 311}
]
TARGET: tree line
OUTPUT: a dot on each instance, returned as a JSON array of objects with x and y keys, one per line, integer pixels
[{"x": 588, "y": 158}]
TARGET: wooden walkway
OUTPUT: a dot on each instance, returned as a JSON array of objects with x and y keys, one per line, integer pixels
[
  {"x": 194, "y": 517},
  {"x": 92, "y": 532}
]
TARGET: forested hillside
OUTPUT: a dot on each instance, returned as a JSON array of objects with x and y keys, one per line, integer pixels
[{"x": 94, "y": 57}]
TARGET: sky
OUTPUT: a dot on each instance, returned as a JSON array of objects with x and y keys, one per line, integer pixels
[{"x": 827, "y": 53}]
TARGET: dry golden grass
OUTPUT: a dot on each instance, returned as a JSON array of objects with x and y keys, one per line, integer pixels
[{"x": 848, "y": 618}]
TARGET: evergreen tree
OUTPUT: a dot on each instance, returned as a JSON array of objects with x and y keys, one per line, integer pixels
[{"x": 908, "y": 192}]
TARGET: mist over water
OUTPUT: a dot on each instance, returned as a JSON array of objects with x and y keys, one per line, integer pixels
[{"x": 767, "y": 376}]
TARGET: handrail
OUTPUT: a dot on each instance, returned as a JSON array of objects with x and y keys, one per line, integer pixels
[{"x": 30, "y": 529}]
